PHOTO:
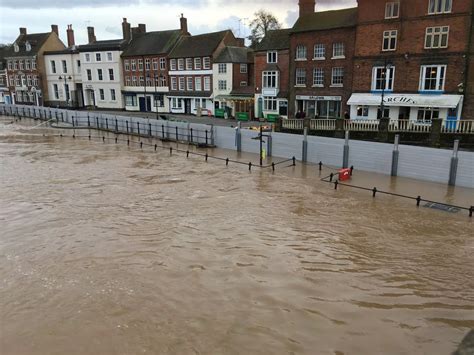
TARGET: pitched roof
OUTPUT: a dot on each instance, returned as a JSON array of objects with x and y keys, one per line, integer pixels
[
  {"x": 326, "y": 20},
  {"x": 233, "y": 55},
  {"x": 36, "y": 40},
  {"x": 152, "y": 43},
  {"x": 70, "y": 50},
  {"x": 111, "y": 44},
  {"x": 275, "y": 40},
  {"x": 198, "y": 46}
]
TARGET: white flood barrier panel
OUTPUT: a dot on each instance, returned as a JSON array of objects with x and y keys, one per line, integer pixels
[{"x": 465, "y": 173}]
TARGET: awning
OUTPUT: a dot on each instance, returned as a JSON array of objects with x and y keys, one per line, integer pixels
[{"x": 412, "y": 100}]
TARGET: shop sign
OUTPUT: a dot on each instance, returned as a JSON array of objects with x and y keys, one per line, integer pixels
[
  {"x": 318, "y": 98},
  {"x": 399, "y": 100}
]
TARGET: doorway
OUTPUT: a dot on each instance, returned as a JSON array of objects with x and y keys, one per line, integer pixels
[
  {"x": 404, "y": 113},
  {"x": 187, "y": 106}
]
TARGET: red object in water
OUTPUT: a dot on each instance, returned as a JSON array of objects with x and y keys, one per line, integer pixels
[{"x": 344, "y": 174}]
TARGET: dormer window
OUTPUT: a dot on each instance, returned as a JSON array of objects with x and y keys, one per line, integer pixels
[
  {"x": 16, "y": 47},
  {"x": 28, "y": 46}
]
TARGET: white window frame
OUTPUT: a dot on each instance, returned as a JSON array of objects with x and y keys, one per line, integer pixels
[
  {"x": 174, "y": 83},
  {"x": 134, "y": 65},
  {"x": 140, "y": 64},
  {"x": 436, "y": 7},
  {"x": 162, "y": 63},
  {"x": 300, "y": 77},
  {"x": 98, "y": 57},
  {"x": 197, "y": 83},
  {"x": 440, "y": 77},
  {"x": 207, "y": 83},
  {"x": 100, "y": 75},
  {"x": 189, "y": 63},
  {"x": 222, "y": 85},
  {"x": 173, "y": 64},
  {"x": 53, "y": 66},
  {"x": 181, "y": 64},
  {"x": 390, "y": 38},
  {"x": 110, "y": 57},
  {"x": 301, "y": 52},
  {"x": 222, "y": 68},
  {"x": 318, "y": 77},
  {"x": 111, "y": 74},
  {"x": 189, "y": 83},
  {"x": 27, "y": 64},
  {"x": 207, "y": 63},
  {"x": 362, "y": 111},
  {"x": 181, "y": 83},
  {"x": 334, "y": 76},
  {"x": 101, "y": 95},
  {"x": 113, "y": 95},
  {"x": 432, "y": 111},
  {"x": 389, "y": 79},
  {"x": 270, "y": 79},
  {"x": 392, "y": 10},
  {"x": 197, "y": 64},
  {"x": 243, "y": 68},
  {"x": 434, "y": 34},
  {"x": 127, "y": 65},
  {"x": 155, "y": 64},
  {"x": 147, "y": 64},
  {"x": 319, "y": 51},
  {"x": 337, "y": 49},
  {"x": 89, "y": 74},
  {"x": 272, "y": 57},
  {"x": 270, "y": 103}
]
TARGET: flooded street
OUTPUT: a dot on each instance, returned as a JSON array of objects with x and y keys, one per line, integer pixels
[{"x": 106, "y": 249}]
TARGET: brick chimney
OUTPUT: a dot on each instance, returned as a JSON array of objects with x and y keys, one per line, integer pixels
[
  {"x": 126, "y": 30},
  {"x": 307, "y": 7},
  {"x": 23, "y": 31},
  {"x": 184, "y": 24},
  {"x": 54, "y": 28},
  {"x": 70, "y": 36},
  {"x": 141, "y": 28},
  {"x": 91, "y": 35}
]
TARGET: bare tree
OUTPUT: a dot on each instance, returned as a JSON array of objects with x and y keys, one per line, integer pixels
[{"x": 262, "y": 22}]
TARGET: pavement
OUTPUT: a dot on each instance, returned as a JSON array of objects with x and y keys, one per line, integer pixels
[{"x": 187, "y": 118}]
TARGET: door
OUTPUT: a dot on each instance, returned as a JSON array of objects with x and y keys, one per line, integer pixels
[
  {"x": 187, "y": 106},
  {"x": 404, "y": 113},
  {"x": 141, "y": 103},
  {"x": 452, "y": 118},
  {"x": 148, "y": 103},
  {"x": 283, "y": 108}
]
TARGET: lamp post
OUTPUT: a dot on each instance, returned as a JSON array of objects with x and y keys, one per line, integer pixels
[
  {"x": 66, "y": 89},
  {"x": 387, "y": 66},
  {"x": 156, "y": 106}
]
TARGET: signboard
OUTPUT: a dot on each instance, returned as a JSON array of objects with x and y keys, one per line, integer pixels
[
  {"x": 318, "y": 98},
  {"x": 414, "y": 100},
  {"x": 269, "y": 92}
]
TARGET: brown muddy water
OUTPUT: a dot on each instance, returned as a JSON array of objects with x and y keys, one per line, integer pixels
[{"x": 106, "y": 249}]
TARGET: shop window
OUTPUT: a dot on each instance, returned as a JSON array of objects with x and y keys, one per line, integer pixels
[
  {"x": 318, "y": 77},
  {"x": 272, "y": 57},
  {"x": 269, "y": 104},
  {"x": 392, "y": 10},
  {"x": 362, "y": 111},
  {"x": 439, "y": 6},
  {"x": 176, "y": 103},
  {"x": 386, "y": 112},
  {"x": 382, "y": 78},
  {"x": 437, "y": 37},
  {"x": 300, "y": 52},
  {"x": 328, "y": 109},
  {"x": 390, "y": 40},
  {"x": 432, "y": 77},
  {"x": 130, "y": 100},
  {"x": 197, "y": 103},
  {"x": 426, "y": 114},
  {"x": 319, "y": 52}
]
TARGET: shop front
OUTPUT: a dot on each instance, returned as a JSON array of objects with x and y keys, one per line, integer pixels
[
  {"x": 199, "y": 106},
  {"x": 318, "y": 106},
  {"x": 231, "y": 106},
  {"x": 413, "y": 107}
]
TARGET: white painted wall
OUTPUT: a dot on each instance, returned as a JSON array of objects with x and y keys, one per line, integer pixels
[{"x": 73, "y": 71}]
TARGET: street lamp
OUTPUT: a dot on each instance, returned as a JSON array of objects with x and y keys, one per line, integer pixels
[
  {"x": 66, "y": 89},
  {"x": 156, "y": 106},
  {"x": 387, "y": 66}
]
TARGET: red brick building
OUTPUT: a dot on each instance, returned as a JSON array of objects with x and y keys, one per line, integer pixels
[
  {"x": 272, "y": 60},
  {"x": 413, "y": 55},
  {"x": 321, "y": 61}
]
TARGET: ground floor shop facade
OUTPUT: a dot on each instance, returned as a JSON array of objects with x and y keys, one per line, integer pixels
[
  {"x": 146, "y": 102},
  {"x": 271, "y": 106},
  {"x": 199, "y": 106},
  {"x": 108, "y": 96},
  {"x": 322, "y": 107},
  {"x": 412, "y": 107},
  {"x": 230, "y": 106}
]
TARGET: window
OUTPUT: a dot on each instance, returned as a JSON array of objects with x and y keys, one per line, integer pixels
[
  {"x": 111, "y": 75},
  {"x": 437, "y": 37},
  {"x": 141, "y": 80},
  {"x": 270, "y": 80},
  {"x": 9, "y": 65},
  {"x": 112, "y": 95},
  {"x": 318, "y": 77},
  {"x": 17, "y": 80},
  {"x": 319, "y": 51},
  {"x": 207, "y": 83},
  {"x": 148, "y": 80},
  {"x": 362, "y": 111},
  {"x": 222, "y": 68},
  {"x": 338, "y": 50},
  {"x": 99, "y": 74},
  {"x": 88, "y": 57},
  {"x": 392, "y": 10},
  {"x": 173, "y": 64},
  {"x": 101, "y": 95},
  {"x": 53, "y": 67},
  {"x": 27, "y": 64},
  {"x": 35, "y": 80},
  {"x": 243, "y": 68},
  {"x": 134, "y": 65},
  {"x": 197, "y": 103},
  {"x": 386, "y": 112},
  {"x": 64, "y": 66},
  {"x": 15, "y": 65},
  {"x": 337, "y": 77},
  {"x": 66, "y": 90},
  {"x": 78, "y": 62},
  {"x": 147, "y": 64},
  {"x": 130, "y": 100},
  {"x": 300, "y": 77},
  {"x": 56, "y": 91},
  {"x": 439, "y": 6},
  {"x": 181, "y": 64},
  {"x": 432, "y": 77},
  {"x": 155, "y": 64},
  {"x": 189, "y": 83},
  {"x": 22, "y": 64},
  {"x": 127, "y": 65},
  {"x": 272, "y": 57},
  {"x": 207, "y": 63},
  {"x": 28, "y": 46},
  {"x": 426, "y": 114},
  {"x": 269, "y": 104},
  {"x": 140, "y": 64},
  {"x": 127, "y": 81},
  {"x": 300, "y": 52},
  {"x": 109, "y": 56},
  {"x": 98, "y": 57},
  {"x": 89, "y": 74},
  {"x": 162, "y": 63},
  {"x": 197, "y": 83},
  {"x": 28, "y": 80},
  {"x": 174, "y": 83},
  {"x": 197, "y": 63},
  {"x": 134, "y": 81},
  {"x": 176, "y": 103},
  {"x": 204, "y": 103},
  {"x": 189, "y": 64},
  {"x": 243, "y": 83},
  {"x": 222, "y": 85},
  {"x": 23, "y": 80},
  {"x": 382, "y": 78},
  {"x": 181, "y": 83},
  {"x": 162, "y": 81},
  {"x": 389, "y": 40}
]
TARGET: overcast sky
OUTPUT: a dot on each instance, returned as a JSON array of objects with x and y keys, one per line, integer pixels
[{"x": 106, "y": 15}]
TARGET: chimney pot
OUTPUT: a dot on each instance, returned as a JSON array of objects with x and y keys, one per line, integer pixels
[
  {"x": 70, "y": 36},
  {"x": 126, "y": 30}
]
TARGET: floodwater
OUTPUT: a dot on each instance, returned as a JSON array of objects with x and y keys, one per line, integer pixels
[{"x": 106, "y": 249}]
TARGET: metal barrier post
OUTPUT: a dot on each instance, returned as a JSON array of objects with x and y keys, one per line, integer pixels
[
  {"x": 304, "y": 155},
  {"x": 138, "y": 128},
  {"x": 149, "y": 130},
  {"x": 188, "y": 130},
  {"x": 107, "y": 123},
  {"x": 177, "y": 133},
  {"x": 395, "y": 156},
  {"x": 454, "y": 164},
  {"x": 238, "y": 138},
  {"x": 345, "y": 158},
  {"x": 116, "y": 125},
  {"x": 269, "y": 144}
]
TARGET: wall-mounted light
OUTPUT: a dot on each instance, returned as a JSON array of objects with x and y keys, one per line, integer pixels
[{"x": 407, "y": 56}]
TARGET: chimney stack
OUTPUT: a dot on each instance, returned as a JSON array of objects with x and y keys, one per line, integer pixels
[
  {"x": 141, "y": 28},
  {"x": 307, "y": 7},
  {"x": 54, "y": 28},
  {"x": 184, "y": 25},
  {"x": 91, "y": 35},
  {"x": 126, "y": 31},
  {"x": 70, "y": 36},
  {"x": 23, "y": 31}
]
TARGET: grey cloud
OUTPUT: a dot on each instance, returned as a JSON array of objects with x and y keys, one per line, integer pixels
[{"x": 67, "y": 4}]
